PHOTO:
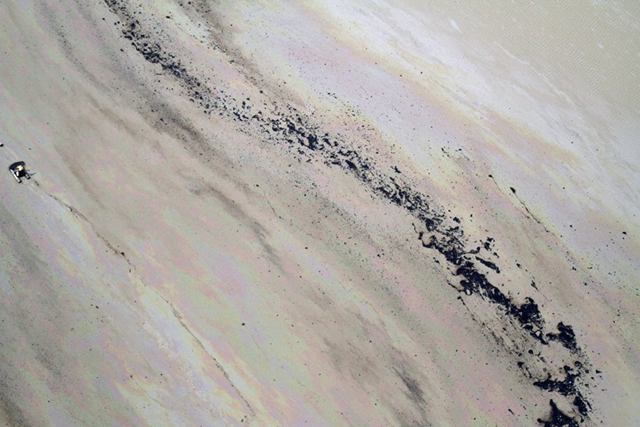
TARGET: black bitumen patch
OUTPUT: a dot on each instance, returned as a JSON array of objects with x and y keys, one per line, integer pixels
[
  {"x": 557, "y": 418},
  {"x": 566, "y": 387},
  {"x": 565, "y": 336},
  {"x": 489, "y": 264}
]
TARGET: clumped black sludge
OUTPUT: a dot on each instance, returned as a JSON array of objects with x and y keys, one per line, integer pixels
[{"x": 557, "y": 418}]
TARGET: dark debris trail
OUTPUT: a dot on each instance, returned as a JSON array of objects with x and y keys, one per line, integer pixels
[{"x": 288, "y": 126}]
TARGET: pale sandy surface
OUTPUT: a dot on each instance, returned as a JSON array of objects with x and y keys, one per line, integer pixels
[{"x": 183, "y": 256}]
